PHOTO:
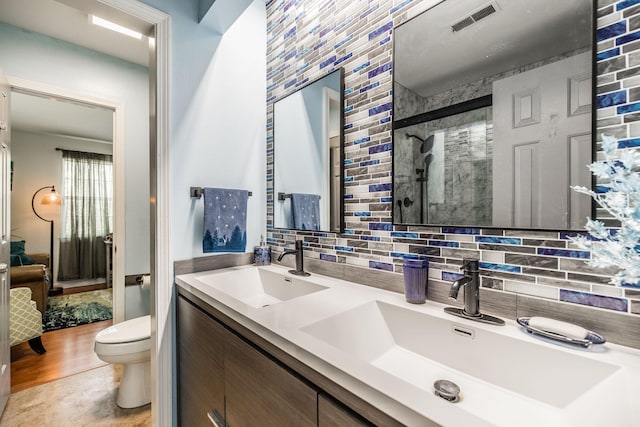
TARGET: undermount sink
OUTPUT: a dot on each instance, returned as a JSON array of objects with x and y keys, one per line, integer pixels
[
  {"x": 420, "y": 348},
  {"x": 259, "y": 288}
]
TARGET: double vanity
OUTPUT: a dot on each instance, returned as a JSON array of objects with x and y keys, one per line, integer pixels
[{"x": 258, "y": 343}]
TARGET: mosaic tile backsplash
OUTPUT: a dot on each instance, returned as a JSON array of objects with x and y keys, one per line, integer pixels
[{"x": 307, "y": 39}]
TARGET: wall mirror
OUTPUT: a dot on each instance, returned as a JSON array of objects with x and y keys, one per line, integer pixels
[
  {"x": 308, "y": 156},
  {"x": 493, "y": 114}
]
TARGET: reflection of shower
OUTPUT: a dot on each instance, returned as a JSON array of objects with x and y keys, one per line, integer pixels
[
  {"x": 423, "y": 173},
  {"x": 407, "y": 202}
]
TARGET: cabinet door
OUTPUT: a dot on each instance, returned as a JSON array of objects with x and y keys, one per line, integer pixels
[
  {"x": 261, "y": 393},
  {"x": 330, "y": 414},
  {"x": 200, "y": 367}
]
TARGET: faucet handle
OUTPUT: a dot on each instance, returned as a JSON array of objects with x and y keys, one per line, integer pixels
[{"x": 471, "y": 264}]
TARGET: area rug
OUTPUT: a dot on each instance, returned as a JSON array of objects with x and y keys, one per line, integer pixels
[{"x": 66, "y": 311}]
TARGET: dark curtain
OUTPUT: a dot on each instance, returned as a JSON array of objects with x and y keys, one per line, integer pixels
[{"x": 87, "y": 210}]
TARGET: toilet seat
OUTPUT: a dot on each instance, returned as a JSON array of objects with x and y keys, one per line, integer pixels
[{"x": 126, "y": 332}]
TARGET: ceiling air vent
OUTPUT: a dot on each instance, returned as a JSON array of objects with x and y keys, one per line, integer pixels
[{"x": 474, "y": 17}]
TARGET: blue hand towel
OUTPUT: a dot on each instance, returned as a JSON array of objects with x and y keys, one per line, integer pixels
[
  {"x": 306, "y": 211},
  {"x": 225, "y": 220}
]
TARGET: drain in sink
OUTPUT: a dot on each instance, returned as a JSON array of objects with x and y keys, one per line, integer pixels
[{"x": 447, "y": 390}]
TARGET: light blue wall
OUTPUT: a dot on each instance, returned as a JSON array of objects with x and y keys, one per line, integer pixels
[{"x": 218, "y": 117}]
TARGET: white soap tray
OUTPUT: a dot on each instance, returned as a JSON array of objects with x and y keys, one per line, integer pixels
[{"x": 589, "y": 338}]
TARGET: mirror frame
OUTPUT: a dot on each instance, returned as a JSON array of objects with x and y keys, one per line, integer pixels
[
  {"x": 484, "y": 101},
  {"x": 341, "y": 226}
]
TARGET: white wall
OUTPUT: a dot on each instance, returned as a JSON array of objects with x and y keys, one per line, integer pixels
[
  {"x": 218, "y": 121},
  {"x": 42, "y": 59}
]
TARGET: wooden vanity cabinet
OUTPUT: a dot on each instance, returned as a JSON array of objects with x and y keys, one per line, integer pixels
[
  {"x": 332, "y": 414},
  {"x": 260, "y": 392},
  {"x": 227, "y": 380},
  {"x": 200, "y": 367}
]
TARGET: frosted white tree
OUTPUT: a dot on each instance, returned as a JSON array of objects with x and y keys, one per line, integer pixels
[{"x": 615, "y": 247}]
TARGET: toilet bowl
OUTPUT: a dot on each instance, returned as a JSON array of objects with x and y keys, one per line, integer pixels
[{"x": 129, "y": 343}]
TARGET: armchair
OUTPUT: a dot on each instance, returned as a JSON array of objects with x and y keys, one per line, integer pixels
[
  {"x": 34, "y": 277},
  {"x": 25, "y": 320}
]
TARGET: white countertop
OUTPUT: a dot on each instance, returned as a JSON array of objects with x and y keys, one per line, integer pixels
[{"x": 405, "y": 393}]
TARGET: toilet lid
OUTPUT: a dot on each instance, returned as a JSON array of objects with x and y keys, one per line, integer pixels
[{"x": 129, "y": 331}]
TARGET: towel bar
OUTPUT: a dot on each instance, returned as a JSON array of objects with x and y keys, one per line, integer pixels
[
  {"x": 282, "y": 196},
  {"x": 198, "y": 191}
]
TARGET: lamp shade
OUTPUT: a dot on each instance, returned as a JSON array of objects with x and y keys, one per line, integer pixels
[{"x": 52, "y": 198}]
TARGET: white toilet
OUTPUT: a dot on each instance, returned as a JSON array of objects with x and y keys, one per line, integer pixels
[{"x": 129, "y": 343}]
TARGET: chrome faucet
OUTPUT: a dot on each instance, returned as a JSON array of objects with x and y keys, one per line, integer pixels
[
  {"x": 471, "y": 283},
  {"x": 299, "y": 252}
]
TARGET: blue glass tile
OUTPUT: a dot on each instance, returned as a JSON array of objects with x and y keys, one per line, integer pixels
[
  {"x": 370, "y": 162},
  {"x": 500, "y": 240},
  {"x": 362, "y": 140},
  {"x": 319, "y": 45},
  {"x": 341, "y": 42},
  {"x": 399, "y": 6},
  {"x": 344, "y": 58},
  {"x": 328, "y": 61},
  {"x": 500, "y": 267},
  {"x": 302, "y": 82},
  {"x": 289, "y": 4},
  {"x": 608, "y": 54},
  {"x": 348, "y": 196},
  {"x": 343, "y": 248},
  {"x": 384, "y": 226},
  {"x": 380, "y": 109},
  {"x": 593, "y": 300},
  {"x": 450, "y": 277},
  {"x": 629, "y": 108},
  {"x": 405, "y": 234},
  {"x": 361, "y": 66},
  {"x": 290, "y": 83},
  {"x": 348, "y": 179},
  {"x": 269, "y": 138},
  {"x": 271, "y": 98},
  {"x": 362, "y": 213},
  {"x": 327, "y": 257},
  {"x": 380, "y": 148},
  {"x": 320, "y": 234},
  {"x": 290, "y": 33},
  {"x": 374, "y": 8},
  {"x": 348, "y": 126},
  {"x": 313, "y": 29},
  {"x": 371, "y": 86},
  {"x": 348, "y": 91},
  {"x": 349, "y": 108},
  {"x": 611, "y": 99},
  {"x": 629, "y": 143},
  {"x": 456, "y": 230},
  {"x": 302, "y": 67},
  {"x": 444, "y": 243},
  {"x": 375, "y": 33},
  {"x": 627, "y": 38},
  {"x": 379, "y": 70},
  {"x": 272, "y": 85},
  {"x": 626, "y": 3},
  {"x": 566, "y": 253},
  {"x": 370, "y": 238},
  {"x": 385, "y": 41},
  {"x": 601, "y": 189},
  {"x": 290, "y": 55},
  {"x": 386, "y": 199},
  {"x": 380, "y": 265},
  {"x": 325, "y": 31},
  {"x": 612, "y": 30},
  {"x": 380, "y": 187},
  {"x": 347, "y": 231},
  {"x": 404, "y": 255},
  {"x": 348, "y": 161},
  {"x": 385, "y": 120}
]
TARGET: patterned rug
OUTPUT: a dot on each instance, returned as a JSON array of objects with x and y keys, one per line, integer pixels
[{"x": 66, "y": 311}]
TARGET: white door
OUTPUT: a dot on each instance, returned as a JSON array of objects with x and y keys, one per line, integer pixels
[
  {"x": 542, "y": 144},
  {"x": 5, "y": 355}
]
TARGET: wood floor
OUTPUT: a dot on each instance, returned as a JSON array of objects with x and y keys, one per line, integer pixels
[{"x": 69, "y": 352}]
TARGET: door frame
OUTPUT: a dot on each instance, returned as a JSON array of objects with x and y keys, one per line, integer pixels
[{"x": 37, "y": 88}]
